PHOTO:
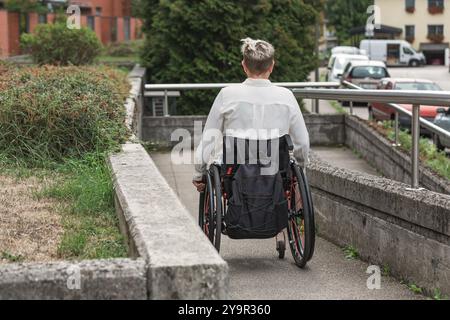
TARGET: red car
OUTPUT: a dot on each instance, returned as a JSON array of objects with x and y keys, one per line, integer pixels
[{"x": 381, "y": 111}]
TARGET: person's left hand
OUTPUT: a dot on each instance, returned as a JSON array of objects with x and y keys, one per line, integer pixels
[{"x": 201, "y": 186}]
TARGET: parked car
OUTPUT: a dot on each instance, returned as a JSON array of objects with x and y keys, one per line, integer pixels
[
  {"x": 338, "y": 62},
  {"x": 393, "y": 52},
  {"x": 381, "y": 111},
  {"x": 366, "y": 74},
  {"x": 347, "y": 50},
  {"x": 442, "y": 120}
]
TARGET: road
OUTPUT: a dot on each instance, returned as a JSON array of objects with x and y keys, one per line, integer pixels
[
  {"x": 257, "y": 273},
  {"x": 438, "y": 74}
]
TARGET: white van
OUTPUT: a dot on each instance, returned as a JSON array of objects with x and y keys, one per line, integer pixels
[
  {"x": 393, "y": 52},
  {"x": 347, "y": 50},
  {"x": 338, "y": 62}
]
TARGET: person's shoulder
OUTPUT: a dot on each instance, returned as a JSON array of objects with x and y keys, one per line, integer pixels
[
  {"x": 232, "y": 88},
  {"x": 286, "y": 94}
]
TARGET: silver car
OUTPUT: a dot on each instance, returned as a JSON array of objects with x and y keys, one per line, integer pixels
[
  {"x": 366, "y": 74},
  {"x": 442, "y": 120}
]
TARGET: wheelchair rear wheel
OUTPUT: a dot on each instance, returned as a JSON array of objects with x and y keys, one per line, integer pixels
[
  {"x": 301, "y": 228},
  {"x": 211, "y": 207}
]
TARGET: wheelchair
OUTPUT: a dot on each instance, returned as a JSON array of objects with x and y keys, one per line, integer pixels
[{"x": 297, "y": 210}]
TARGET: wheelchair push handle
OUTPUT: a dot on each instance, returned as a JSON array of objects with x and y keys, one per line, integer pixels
[{"x": 289, "y": 142}]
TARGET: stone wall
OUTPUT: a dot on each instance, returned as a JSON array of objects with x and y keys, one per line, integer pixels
[
  {"x": 323, "y": 129},
  {"x": 182, "y": 263},
  {"x": 390, "y": 225}
]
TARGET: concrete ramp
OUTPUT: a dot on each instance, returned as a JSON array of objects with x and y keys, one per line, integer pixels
[{"x": 257, "y": 273}]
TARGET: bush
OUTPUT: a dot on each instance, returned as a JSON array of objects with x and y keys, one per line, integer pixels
[
  {"x": 123, "y": 49},
  {"x": 58, "y": 45},
  {"x": 52, "y": 113},
  {"x": 199, "y": 41}
]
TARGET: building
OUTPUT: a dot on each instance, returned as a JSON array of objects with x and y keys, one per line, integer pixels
[
  {"x": 424, "y": 23},
  {"x": 110, "y": 19}
]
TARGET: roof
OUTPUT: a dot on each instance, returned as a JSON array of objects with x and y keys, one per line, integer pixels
[
  {"x": 346, "y": 55},
  {"x": 373, "y": 63},
  {"x": 383, "y": 29}
]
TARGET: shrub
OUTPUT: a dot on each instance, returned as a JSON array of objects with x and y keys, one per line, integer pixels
[
  {"x": 52, "y": 113},
  {"x": 123, "y": 49},
  {"x": 58, "y": 45}
]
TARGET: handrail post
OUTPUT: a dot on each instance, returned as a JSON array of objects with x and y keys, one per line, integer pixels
[
  {"x": 166, "y": 103},
  {"x": 396, "y": 129},
  {"x": 317, "y": 106},
  {"x": 415, "y": 146},
  {"x": 351, "y": 108}
]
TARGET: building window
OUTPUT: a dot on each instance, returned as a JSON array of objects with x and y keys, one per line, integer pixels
[
  {"x": 436, "y": 33},
  {"x": 42, "y": 18},
  {"x": 410, "y": 5},
  {"x": 127, "y": 28},
  {"x": 113, "y": 29},
  {"x": 410, "y": 33},
  {"x": 98, "y": 11},
  {"x": 435, "y": 6},
  {"x": 91, "y": 22}
]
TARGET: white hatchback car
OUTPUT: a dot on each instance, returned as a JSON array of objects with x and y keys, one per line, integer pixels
[{"x": 338, "y": 62}]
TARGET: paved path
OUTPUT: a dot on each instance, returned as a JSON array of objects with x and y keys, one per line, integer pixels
[
  {"x": 256, "y": 272},
  {"x": 325, "y": 107}
]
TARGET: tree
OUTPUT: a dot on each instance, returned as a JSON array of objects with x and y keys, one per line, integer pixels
[
  {"x": 346, "y": 14},
  {"x": 199, "y": 41}
]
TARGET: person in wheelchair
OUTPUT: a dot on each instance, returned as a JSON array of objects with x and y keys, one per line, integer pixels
[{"x": 259, "y": 205}]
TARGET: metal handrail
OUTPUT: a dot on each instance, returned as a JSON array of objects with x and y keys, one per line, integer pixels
[
  {"x": 424, "y": 122},
  {"x": 391, "y": 97},
  {"x": 438, "y": 98},
  {"x": 206, "y": 86},
  {"x": 354, "y": 94}
]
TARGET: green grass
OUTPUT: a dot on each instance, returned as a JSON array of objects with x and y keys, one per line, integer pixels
[
  {"x": 338, "y": 107},
  {"x": 11, "y": 257},
  {"x": 436, "y": 160},
  {"x": 415, "y": 289},
  {"x": 437, "y": 295},
  {"x": 118, "y": 60},
  {"x": 350, "y": 253},
  {"x": 84, "y": 190},
  {"x": 386, "y": 270},
  {"x": 121, "y": 53}
]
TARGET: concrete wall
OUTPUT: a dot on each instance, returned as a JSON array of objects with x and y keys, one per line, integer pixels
[
  {"x": 182, "y": 263},
  {"x": 389, "y": 225},
  {"x": 117, "y": 279},
  {"x": 394, "y": 164},
  {"x": 323, "y": 129}
]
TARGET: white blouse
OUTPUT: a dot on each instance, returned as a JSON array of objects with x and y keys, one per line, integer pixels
[{"x": 255, "y": 109}]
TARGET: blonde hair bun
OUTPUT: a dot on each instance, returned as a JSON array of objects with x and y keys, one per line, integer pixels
[{"x": 258, "y": 55}]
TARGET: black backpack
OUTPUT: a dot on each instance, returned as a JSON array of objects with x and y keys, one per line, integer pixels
[{"x": 257, "y": 207}]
